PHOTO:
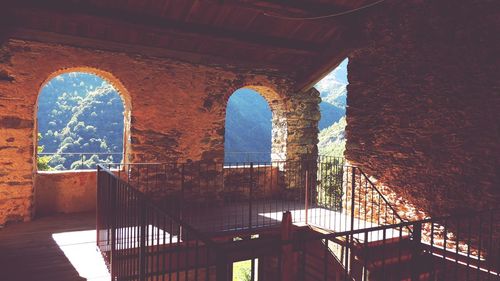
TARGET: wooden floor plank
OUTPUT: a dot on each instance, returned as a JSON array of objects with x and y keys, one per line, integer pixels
[{"x": 28, "y": 251}]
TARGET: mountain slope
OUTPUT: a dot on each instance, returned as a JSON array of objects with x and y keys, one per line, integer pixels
[
  {"x": 332, "y": 139},
  {"x": 80, "y": 113},
  {"x": 333, "y": 93},
  {"x": 248, "y": 127}
]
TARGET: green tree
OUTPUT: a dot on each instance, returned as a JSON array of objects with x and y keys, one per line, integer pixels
[{"x": 42, "y": 161}]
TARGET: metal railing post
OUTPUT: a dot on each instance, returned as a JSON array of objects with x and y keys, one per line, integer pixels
[
  {"x": 97, "y": 207},
  {"x": 112, "y": 186},
  {"x": 353, "y": 190},
  {"x": 222, "y": 270},
  {"x": 142, "y": 245},
  {"x": 250, "y": 205},
  {"x": 306, "y": 196},
  {"x": 417, "y": 240},
  {"x": 181, "y": 203}
]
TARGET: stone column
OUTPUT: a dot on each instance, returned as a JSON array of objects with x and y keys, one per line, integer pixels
[
  {"x": 16, "y": 144},
  {"x": 301, "y": 142},
  {"x": 302, "y": 131}
]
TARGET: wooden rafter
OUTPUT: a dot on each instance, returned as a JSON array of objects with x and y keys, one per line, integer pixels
[
  {"x": 71, "y": 12},
  {"x": 55, "y": 38}
]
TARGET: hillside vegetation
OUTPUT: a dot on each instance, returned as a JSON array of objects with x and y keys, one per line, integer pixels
[{"x": 80, "y": 122}]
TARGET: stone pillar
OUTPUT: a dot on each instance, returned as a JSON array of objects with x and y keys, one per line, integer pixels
[
  {"x": 16, "y": 145},
  {"x": 302, "y": 138},
  {"x": 302, "y": 131},
  {"x": 279, "y": 135}
]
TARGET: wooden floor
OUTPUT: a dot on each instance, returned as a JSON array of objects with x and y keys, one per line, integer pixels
[
  {"x": 235, "y": 217},
  {"x": 60, "y": 247}
]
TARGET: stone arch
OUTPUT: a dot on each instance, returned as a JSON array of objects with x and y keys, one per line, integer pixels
[
  {"x": 279, "y": 121},
  {"x": 108, "y": 77}
]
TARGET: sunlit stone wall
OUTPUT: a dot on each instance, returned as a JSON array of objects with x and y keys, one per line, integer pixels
[
  {"x": 177, "y": 111},
  {"x": 424, "y": 103}
]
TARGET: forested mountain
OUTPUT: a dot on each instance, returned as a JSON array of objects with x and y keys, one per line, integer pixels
[
  {"x": 333, "y": 92},
  {"x": 80, "y": 122},
  {"x": 332, "y": 139},
  {"x": 248, "y": 128}
]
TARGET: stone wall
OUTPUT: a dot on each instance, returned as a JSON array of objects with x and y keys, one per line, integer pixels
[
  {"x": 424, "y": 103},
  {"x": 175, "y": 110},
  {"x": 65, "y": 192}
]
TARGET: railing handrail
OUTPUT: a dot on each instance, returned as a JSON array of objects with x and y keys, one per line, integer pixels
[
  {"x": 330, "y": 236},
  {"x": 381, "y": 195},
  {"x": 244, "y": 164},
  {"x": 151, "y": 204}
]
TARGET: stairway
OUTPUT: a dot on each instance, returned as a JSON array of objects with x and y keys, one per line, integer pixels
[
  {"x": 391, "y": 259},
  {"x": 400, "y": 259},
  {"x": 381, "y": 260}
]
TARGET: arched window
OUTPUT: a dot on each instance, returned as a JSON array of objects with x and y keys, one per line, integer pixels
[
  {"x": 80, "y": 121},
  {"x": 248, "y": 128},
  {"x": 254, "y": 131},
  {"x": 333, "y": 92}
]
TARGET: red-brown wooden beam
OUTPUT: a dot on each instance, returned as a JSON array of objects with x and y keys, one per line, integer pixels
[
  {"x": 191, "y": 57},
  {"x": 296, "y": 8},
  {"x": 70, "y": 11}
]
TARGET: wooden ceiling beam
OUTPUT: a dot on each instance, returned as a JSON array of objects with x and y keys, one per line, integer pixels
[
  {"x": 72, "y": 10},
  {"x": 134, "y": 49},
  {"x": 287, "y": 7}
]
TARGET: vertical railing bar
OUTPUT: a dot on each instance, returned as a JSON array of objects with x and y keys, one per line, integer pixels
[
  {"x": 457, "y": 249},
  {"x": 490, "y": 246},
  {"x": 98, "y": 205},
  {"x": 186, "y": 251},
  {"x": 178, "y": 250},
  {"x": 353, "y": 186},
  {"x": 366, "y": 257},
  {"x": 400, "y": 252},
  {"x": 384, "y": 238},
  {"x": 113, "y": 226},
  {"x": 346, "y": 261},
  {"x": 415, "y": 255},
  {"x": 252, "y": 271},
  {"x": 306, "y": 196},
  {"x": 479, "y": 247},
  {"x": 171, "y": 248},
  {"x": 164, "y": 246},
  {"x": 142, "y": 245},
  {"x": 250, "y": 203},
  {"x": 468, "y": 247},
  {"x": 431, "y": 251},
  {"x": 196, "y": 262},
  {"x": 158, "y": 253},
  {"x": 207, "y": 263},
  {"x": 445, "y": 225}
]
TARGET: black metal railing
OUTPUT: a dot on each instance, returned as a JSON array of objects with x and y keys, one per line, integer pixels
[
  {"x": 139, "y": 241},
  {"x": 353, "y": 200},
  {"x": 216, "y": 197},
  {"x": 459, "y": 247},
  {"x": 158, "y": 221}
]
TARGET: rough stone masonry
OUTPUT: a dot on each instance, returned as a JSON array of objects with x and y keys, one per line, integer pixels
[
  {"x": 423, "y": 108},
  {"x": 175, "y": 110}
]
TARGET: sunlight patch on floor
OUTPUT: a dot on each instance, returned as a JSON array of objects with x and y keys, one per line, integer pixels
[{"x": 80, "y": 249}]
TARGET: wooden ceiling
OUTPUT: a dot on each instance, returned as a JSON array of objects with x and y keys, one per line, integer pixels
[{"x": 261, "y": 34}]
